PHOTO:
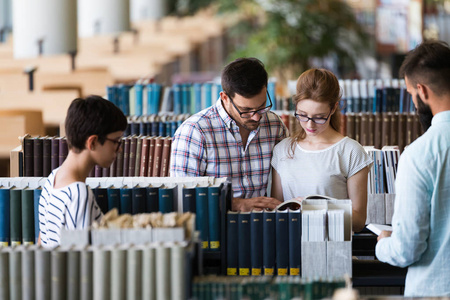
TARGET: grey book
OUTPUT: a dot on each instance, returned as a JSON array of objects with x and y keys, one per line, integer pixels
[
  {"x": 43, "y": 273},
  {"x": 134, "y": 273},
  {"x": 86, "y": 273},
  {"x": 28, "y": 273},
  {"x": 177, "y": 271},
  {"x": 149, "y": 273},
  {"x": 162, "y": 271},
  {"x": 4, "y": 273},
  {"x": 73, "y": 273},
  {"x": 102, "y": 273},
  {"x": 15, "y": 273},
  {"x": 118, "y": 272},
  {"x": 59, "y": 273}
]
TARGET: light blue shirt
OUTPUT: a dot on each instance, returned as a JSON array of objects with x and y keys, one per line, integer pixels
[{"x": 421, "y": 221}]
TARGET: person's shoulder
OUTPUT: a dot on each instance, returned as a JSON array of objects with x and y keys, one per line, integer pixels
[
  {"x": 202, "y": 118},
  {"x": 273, "y": 117},
  {"x": 350, "y": 144}
]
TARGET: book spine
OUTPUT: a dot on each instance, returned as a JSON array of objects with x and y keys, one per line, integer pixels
[
  {"x": 256, "y": 242},
  {"x": 55, "y": 154},
  {"x": 166, "y": 200},
  {"x": 295, "y": 234},
  {"x": 4, "y": 217},
  {"x": 101, "y": 197},
  {"x": 214, "y": 218},
  {"x": 28, "y": 274},
  {"x": 163, "y": 272},
  {"x": 157, "y": 156},
  {"x": 120, "y": 159},
  {"x": 63, "y": 150},
  {"x": 151, "y": 155},
  {"x": 58, "y": 274},
  {"x": 232, "y": 243},
  {"x": 189, "y": 200},
  {"x": 269, "y": 243},
  {"x": 28, "y": 234},
  {"x": 201, "y": 218},
  {"x": 101, "y": 274},
  {"x": 15, "y": 274},
  {"x": 47, "y": 156},
  {"x": 125, "y": 201},
  {"x": 244, "y": 254},
  {"x": 282, "y": 242},
  {"x": 138, "y": 90},
  {"x": 144, "y": 157},
  {"x": 28, "y": 155},
  {"x": 152, "y": 199},
  {"x": 43, "y": 274},
  {"x": 148, "y": 273},
  {"x": 177, "y": 99},
  {"x": 177, "y": 272},
  {"x": 4, "y": 274},
  {"x": 113, "y": 198},
  {"x": 126, "y": 156},
  {"x": 138, "y": 200},
  {"x": 73, "y": 274},
  {"x": 118, "y": 273},
  {"x": 137, "y": 166},
  {"x": 38, "y": 166},
  {"x": 16, "y": 216},
  {"x": 132, "y": 156},
  {"x": 86, "y": 280},
  {"x": 165, "y": 157},
  {"x": 134, "y": 273}
]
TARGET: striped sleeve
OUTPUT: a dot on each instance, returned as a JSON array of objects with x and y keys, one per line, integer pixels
[{"x": 81, "y": 208}]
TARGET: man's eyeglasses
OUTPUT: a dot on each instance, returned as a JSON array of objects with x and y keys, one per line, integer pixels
[
  {"x": 118, "y": 142},
  {"x": 249, "y": 114},
  {"x": 319, "y": 121}
]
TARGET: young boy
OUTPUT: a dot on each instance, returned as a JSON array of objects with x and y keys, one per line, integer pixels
[{"x": 94, "y": 128}]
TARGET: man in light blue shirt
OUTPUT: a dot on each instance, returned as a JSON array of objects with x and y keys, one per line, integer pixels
[{"x": 420, "y": 238}]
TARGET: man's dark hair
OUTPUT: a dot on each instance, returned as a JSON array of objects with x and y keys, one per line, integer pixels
[
  {"x": 429, "y": 63},
  {"x": 92, "y": 115},
  {"x": 244, "y": 76}
]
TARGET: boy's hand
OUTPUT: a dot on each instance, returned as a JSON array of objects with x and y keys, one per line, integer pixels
[
  {"x": 241, "y": 204},
  {"x": 384, "y": 234}
]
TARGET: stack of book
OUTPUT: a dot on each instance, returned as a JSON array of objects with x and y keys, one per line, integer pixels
[
  {"x": 264, "y": 287},
  {"x": 381, "y": 184},
  {"x": 163, "y": 124},
  {"x": 313, "y": 241},
  {"x": 150, "y": 271},
  {"x": 141, "y": 155}
]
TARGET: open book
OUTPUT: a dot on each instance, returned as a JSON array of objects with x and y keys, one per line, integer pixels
[
  {"x": 378, "y": 228},
  {"x": 295, "y": 204}
]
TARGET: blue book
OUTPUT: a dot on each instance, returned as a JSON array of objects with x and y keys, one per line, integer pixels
[
  {"x": 189, "y": 199},
  {"x": 155, "y": 127},
  {"x": 269, "y": 243},
  {"x": 15, "y": 216},
  {"x": 295, "y": 242},
  {"x": 101, "y": 197},
  {"x": 357, "y": 106},
  {"x": 177, "y": 99},
  {"x": 156, "y": 98},
  {"x": 173, "y": 127},
  {"x": 134, "y": 128},
  {"x": 166, "y": 200},
  {"x": 124, "y": 98},
  {"x": 256, "y": 242},
  {"x": 168, "y": 128},
  {"x": 111, "y": 92},
  {"x": 201, "y": 217},
  {"x": 138, "y": 201},
  {"x": 214, "y": 218},
  {"x": 271, "y": 92},
  {"x": 244, "y": 251},
  {"x": 36, "y": 195},
  {"x": 186, "y": 98},
  {"x": 377, "y": 99},
  {"x": 282, "y": 242},
  {"x": 28, "y": 232},
  {"x": 4, "y": 216},
  {"x": 197, "y": 97},
  {"x": 113, "y": 198},
  {"x": 232, "y": 243},
  {"x": 162, "y": 129},
  {"x": 125, "y": 200},
  {"x": 207, "y": 87},
  {"x": 150, "y": 95},
  {"x": 152, "y": 199},
  {"x": 139, "y": 96}
]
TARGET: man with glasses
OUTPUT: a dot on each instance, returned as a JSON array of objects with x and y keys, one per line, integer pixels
[{"x": 233, "y": 138}]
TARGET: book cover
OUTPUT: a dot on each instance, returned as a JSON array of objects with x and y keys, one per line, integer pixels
[
  {"x": 157, "y": 156},
  {"x": 47, "y": 156},
  {"x": 166, "y": 199},
  {"x": 188, "y": 199},
  {"x": 295, "y": 242},
  {"x": 16, "y": 216},
  {"x": 4, "y": 216},
  {"x": 132, "y": 156},
  {"x": 282, "y": 242},
  {"x": 38, "y": 148},
  {"x": 28, "y": 156},
  {"x": 201, "y": 217},
  {"x": 36, "y": 195},
  {"x": 138, "y": 200},
  {"x": 55, "y": 153},
  {"x": 256, "y": 242},
  {"x": 151, "y": 155},
  {"x": 165, "y": 157},
  {"x": 152, "y": 199},
  {"x": 101, "y": 197},
  {"x": 125, "y": 200},
  {"x": 269, "y": 243},
  {"x": 126, "y": 156},
  {"x": 113, "y": 198},
  {"x": 63, "y": 150},
  {"x": 214, "y": 219},
  {"x": 232, "y": 243},
  {"x": 28, "y": 234},
  {"x": 244, "y": 254},
  {"x": 144, "y": 157}
]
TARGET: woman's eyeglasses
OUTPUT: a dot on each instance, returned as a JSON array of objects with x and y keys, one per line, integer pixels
[{"x": 320, "y": 121}]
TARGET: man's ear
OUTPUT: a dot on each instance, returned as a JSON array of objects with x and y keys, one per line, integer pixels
[
  {"x": 423, "y": 91},
  {"x": 223, "y": 96},
  {"x": 91, "y": 142}
]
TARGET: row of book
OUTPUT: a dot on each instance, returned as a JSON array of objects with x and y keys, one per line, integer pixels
[
  {"x": 384, "y": 170},
  {"x": 180, "y": 98},
  {"x": 140, "y": 156},
  {"x": 271, "y": 242},
  {"x": 164, "y": 124},
  {"x": 151, "y": 271},
  {"x": 375, "y": 96},
  {"x": 19, "y": 206},
  {"x": 264, "y": 287}
]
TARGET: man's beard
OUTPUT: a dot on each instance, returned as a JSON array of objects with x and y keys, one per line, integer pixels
[{"x": 425, "y": 114}]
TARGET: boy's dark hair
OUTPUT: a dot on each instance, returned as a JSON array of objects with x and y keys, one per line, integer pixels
[
  {"x": 429, "y": 63},
  {"x": 244, "y": 76},
  {"x": 92, "y": 115}
]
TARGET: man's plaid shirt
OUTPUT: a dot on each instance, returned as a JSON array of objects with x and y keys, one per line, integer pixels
[{"x": 209, "y": 144}]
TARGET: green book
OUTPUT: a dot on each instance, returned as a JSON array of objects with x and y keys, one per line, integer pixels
[
  {"x": 4, "y": 217},
  {"x": 214, "y": 218},
  {"x": 16, "y": 216},
  {"x": 166, "y": 204},
  {"x": 28, "y": 234},
  {"x": 201, "y": 218}
]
